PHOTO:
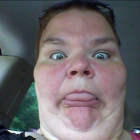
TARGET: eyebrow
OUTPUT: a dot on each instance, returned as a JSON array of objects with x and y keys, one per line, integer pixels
[
  {"x": 97, "y": 41},
  {"x": 104, "y": 40},
  {"x": 54, "y": 40}
]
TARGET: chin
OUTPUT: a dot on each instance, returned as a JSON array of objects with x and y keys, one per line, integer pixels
[{"x": 81, "y": 119}]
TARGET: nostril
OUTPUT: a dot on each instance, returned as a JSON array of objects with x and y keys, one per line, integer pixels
[
  {"x": 73, "y": 72},
  {"x": 87, "y": 73}
]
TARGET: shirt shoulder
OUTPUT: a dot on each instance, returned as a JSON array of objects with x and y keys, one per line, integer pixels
[
  {"x": 135, "y": 136},
  {"x": 36, "y": 136},
  {"x": 6, "y": 135},
  {"x": 16, "y": 135}
]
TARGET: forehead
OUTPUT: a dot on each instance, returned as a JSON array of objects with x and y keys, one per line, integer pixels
[{"x": 76, "y": 23}]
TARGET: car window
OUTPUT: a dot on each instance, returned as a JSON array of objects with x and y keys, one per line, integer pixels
[{"x": 27, "y": 115}]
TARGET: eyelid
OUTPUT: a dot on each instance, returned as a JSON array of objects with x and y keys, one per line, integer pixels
[
  {"x": 56, "y": 51},
  {"x": 102, "y": 51}
]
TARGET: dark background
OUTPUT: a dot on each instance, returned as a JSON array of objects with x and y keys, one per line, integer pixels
[{"x": 18, "y": 30}]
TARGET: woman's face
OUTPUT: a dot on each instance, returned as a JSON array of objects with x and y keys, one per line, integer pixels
[{"x": 79, "y": 76}]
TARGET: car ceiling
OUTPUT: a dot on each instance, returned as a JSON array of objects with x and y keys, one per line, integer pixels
[{"x": 18, "y": 31}]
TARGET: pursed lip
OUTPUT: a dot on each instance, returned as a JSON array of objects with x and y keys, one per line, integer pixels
[
  {"x": 80, "y": 92},
  {"x": 81, "y": 98}
]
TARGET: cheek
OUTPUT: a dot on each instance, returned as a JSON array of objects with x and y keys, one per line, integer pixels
[
  {"x": 111, "y": 78},
  {"x": 49, "y": 79}
]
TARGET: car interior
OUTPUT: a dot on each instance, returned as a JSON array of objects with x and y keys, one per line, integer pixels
[{"x": 19, "y": 22}]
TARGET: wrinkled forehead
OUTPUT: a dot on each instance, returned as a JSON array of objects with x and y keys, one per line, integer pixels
[{"x": 75, "y": 22}]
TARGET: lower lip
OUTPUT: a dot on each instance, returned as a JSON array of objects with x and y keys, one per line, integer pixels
[{"x": 71, "y": 103}]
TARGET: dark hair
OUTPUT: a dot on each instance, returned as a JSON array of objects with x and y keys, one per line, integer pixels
[{"x": 51, "y": 12}]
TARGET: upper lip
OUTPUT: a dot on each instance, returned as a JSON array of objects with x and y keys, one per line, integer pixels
[{"x": 81, "y": 91}]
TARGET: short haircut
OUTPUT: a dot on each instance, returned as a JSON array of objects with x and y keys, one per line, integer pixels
[{"x": 52, "y": 11}]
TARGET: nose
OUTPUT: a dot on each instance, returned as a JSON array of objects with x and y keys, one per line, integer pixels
[{"x": 80, "y": 66}]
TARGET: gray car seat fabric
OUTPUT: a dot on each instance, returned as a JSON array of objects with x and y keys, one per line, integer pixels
[{"x": 16, "y": 76}]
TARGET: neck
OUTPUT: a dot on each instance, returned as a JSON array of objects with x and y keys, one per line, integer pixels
[
  {"x": 46, "y": 134},
  {"x": 121, "y": 135},
  {"x": 125, "y": 135}
]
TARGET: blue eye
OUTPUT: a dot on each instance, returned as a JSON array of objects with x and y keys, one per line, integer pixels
[
  {"x": 57, "y": 56},
  {"x": 102, "y": 55}
]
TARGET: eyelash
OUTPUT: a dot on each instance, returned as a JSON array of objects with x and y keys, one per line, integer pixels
[{"x": 64, "y": 56}]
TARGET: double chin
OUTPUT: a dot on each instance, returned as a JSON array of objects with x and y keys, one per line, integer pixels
[{"x": 80, "y": 118}]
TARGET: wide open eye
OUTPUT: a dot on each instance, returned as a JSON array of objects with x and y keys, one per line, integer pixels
[
  {"x": 57, "y": 56},
  {"x": 102, "y": 55}
]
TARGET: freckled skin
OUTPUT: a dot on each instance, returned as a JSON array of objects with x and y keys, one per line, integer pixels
[{"x": 106, "y": 79}]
